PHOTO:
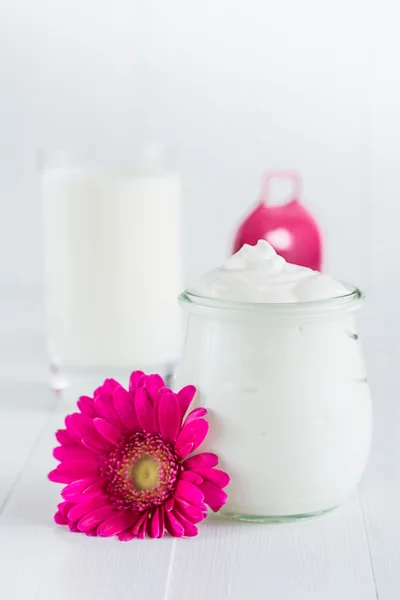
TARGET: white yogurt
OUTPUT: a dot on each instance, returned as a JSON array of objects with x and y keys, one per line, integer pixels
[
  {"x": 285, "y": 383},
  {"x": 112, "y": 268},
  {"x": 258, "y": 274}
]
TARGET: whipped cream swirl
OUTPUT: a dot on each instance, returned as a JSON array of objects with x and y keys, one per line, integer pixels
[{"x": 258, "y": 274}]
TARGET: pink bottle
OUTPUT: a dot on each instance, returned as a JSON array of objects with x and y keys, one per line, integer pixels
[{"x": 289, "y": 228}]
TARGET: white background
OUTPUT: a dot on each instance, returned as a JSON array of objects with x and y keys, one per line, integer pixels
[{"x": 237, "y": 87}]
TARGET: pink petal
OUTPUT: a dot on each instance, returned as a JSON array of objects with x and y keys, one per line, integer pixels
[
  {"x": 97, "y": 487},
  {"x": 192, "y": 477},
  {"x": 153, "y": 383},
  {"x": 162, "y": 520},
  {"x": 173, "y": 526},
  {"x": 95, "y": 518},
  {"x": 157, "y": 400},
  {"x": 195, "y": 414},
  {"x": 141, "y": 534},
  {"x": 136, "y": 379},
  {"x": 169, "y": 504},
  {"x": 75, "y": 498},
  {"x": 194, "y": 432},
  {"x": 85, "y": 405},
  {"x": 194, "y": 514},
  {"x": 64, "y": 438},
  {"x": 60, "y": 519},
  {"x": 82, "y": 426},
  {"x": 75, "y": 489},
  {"x": 72, "y": 470},
  {"x": 61, "y": 516},
  {"x": 80, "y": 468},
  {"x": 220, "y": 478},
  {"x": 213, "y": 495},
  {"x": 154, "y": 525},
  {"x": 110, "y": 384},
  {"x": 204, "y": 459},
  {"x": 107, "y": 388},
  {"x": 76, "y": 452},
  {"x": 124, "y": 405},
  {"x": 189, "y": 492},
  {"x": 185, "y": 396},
  {"x": 144, "y": 411},
  {"x": 142, "y": 519},
  {"x": 73, "y": 527},
  {"x": 117, "y": 524},
  {"x": 109, "y": 433},
  {"x": 185, "y": 450},
  {"x": 189, "y": 530},
  {"x": 169, "y": 417},
  {"x": 64, "y": 507},
  {"x": 79, "y": 425},
  {"x": 96, "y": 442},
  {"x": 104, "y": 406},
  {"x": 84, "y": 508},
  {"x": 57, "y": 477}
]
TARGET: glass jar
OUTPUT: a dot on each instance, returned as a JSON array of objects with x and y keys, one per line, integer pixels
[{"x": 288, "y": 399}]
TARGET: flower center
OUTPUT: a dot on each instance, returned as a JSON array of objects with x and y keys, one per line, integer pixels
[
  {"x": 144, "y": 474},
  {"x": 141, "y": 472}
]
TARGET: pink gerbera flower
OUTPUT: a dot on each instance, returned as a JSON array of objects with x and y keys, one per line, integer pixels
[{"x": 125, "y": 460}]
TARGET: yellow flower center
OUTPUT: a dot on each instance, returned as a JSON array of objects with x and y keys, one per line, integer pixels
[
  {"x": 145, "y": 474},
  {"x": 141, "y": 472}
]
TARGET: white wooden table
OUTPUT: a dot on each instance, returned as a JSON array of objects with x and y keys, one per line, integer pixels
[{"x": 349, "y": 554}]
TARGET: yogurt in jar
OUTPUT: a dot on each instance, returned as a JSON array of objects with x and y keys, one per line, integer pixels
[{"x": 274, "y": 352}]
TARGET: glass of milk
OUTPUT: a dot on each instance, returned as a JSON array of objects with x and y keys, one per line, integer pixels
[
  {"x": 275, "y": 354},
  {"x": 112, "y": 254}
]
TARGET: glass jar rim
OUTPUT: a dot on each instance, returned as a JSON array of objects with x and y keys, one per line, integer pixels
[{"x": 347, "y": 302}]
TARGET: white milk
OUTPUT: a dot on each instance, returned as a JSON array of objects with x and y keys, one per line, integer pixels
[
  {"x": 112, "y": 244},
  {"x": 285, "y": 384}
]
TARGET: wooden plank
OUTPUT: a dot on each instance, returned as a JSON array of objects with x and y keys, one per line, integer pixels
[
  {"x": 325, "y": 558},
  {"x": 322, "y": 559},
  {"x": 42, "y": 561},
  {"x": 380, "y": 490},
  {"x": 24, "y": 409}
]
